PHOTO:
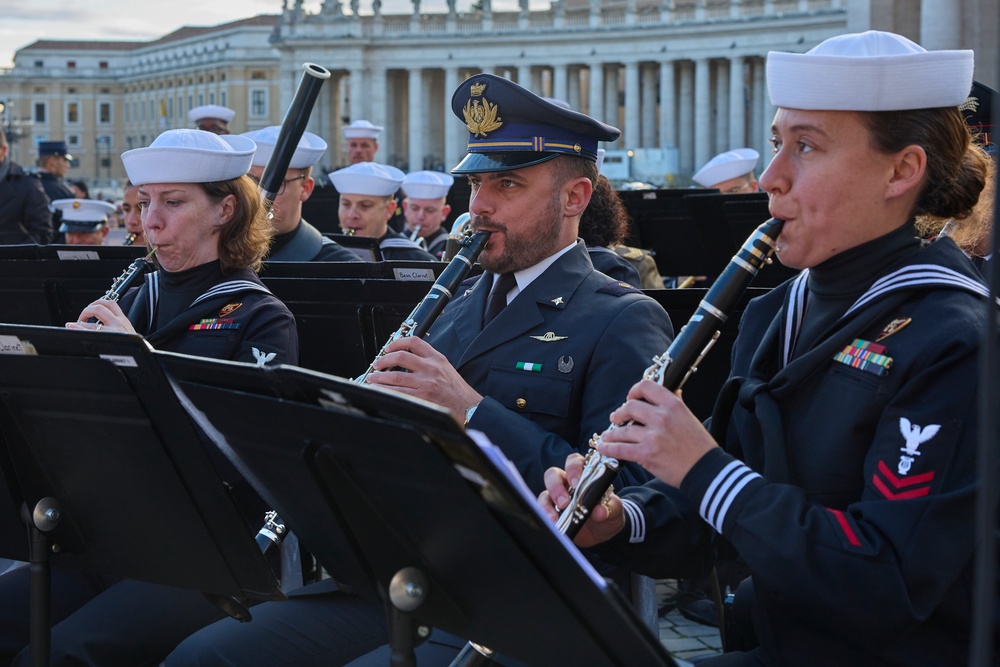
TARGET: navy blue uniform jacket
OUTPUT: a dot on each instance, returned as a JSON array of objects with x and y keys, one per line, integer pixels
[
  {"x": 235, "y": 320},
  {"x": 854, "y": 509},
  {"x": 592, "y": 339}
]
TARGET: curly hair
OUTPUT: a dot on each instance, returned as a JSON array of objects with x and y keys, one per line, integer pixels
[
  {"x": 246, "y": 237},
  {"x": 605, "y": 220}
]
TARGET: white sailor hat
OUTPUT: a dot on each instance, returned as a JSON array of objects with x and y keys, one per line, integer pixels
[
  {"x": 725, "y": 166},
  {"x": 224, "y": 114},
  {"x": 189, "y": 156},
  {"x": 367, "y": 178},
  {"x": 83, "y": 215},
  {"x": 427, "y": 184},
  {"x": 362, "y": 129},
  {"x": 869, "y": 71},
  {"x": 307, "y": 153}
]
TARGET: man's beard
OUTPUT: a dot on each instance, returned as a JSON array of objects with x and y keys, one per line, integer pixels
[{"x": 524, "y": 248}]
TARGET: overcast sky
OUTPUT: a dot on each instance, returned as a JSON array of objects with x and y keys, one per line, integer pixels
[{"x": 24, "y": 21}]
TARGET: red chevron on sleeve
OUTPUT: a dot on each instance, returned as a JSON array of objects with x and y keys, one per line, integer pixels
[{"x": 893, "y": 487}]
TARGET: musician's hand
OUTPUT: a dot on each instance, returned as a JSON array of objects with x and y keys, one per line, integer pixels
[
  {"x": 606, "y": 520},
  {"x": 109, "y": 318},
  {"x": 666, "y": 438},
  {"x": 430, "y": 377}
]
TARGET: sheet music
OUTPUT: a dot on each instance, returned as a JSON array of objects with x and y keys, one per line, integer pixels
[{"x": 506, "y": 467}]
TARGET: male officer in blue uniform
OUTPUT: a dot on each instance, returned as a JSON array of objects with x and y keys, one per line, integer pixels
[
  {"x": 53, "y": 163},
  {"x": 538, "y": 378},
  {"x": 295, "y": 240}
]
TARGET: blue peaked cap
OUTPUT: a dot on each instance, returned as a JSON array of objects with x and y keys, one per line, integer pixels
[{"x": 510, "y": 127}]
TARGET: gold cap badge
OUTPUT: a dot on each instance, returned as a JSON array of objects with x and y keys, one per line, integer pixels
[{"x": 481, "y": 117}]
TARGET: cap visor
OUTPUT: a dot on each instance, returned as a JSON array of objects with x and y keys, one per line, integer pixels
[{"x": 482, "y": 163}]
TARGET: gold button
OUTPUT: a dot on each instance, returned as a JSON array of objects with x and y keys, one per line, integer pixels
[{"x": 521, "y": 403}]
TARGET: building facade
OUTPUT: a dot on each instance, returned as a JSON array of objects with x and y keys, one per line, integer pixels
[{"x": 683, "y": 75}]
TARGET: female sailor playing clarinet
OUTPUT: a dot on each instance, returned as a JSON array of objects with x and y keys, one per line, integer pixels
[
  {"x": 204, "y": 218},
  {"x": 846, "y": 475}
]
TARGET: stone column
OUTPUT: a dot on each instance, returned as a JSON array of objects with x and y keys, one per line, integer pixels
[
  {"x": 454, "y": 131},
  {"x": 722, "y": 117},
  {"x": 648, "y": 93},
  {"x": 573, "y": 89},
  {"x": 611, "y": 106},
  {"x": 737, "y": 105},
  {"x": 686, "y": 118},
  {"x": 632, "y": 106},
  {"x": 702, "y": 113},
  {"x": 668, "y": 105},
  {"x": 524, "y": 76},
  {"x": 940, "y": 24},
  {"x": 415, "y": 120},
  {"x": 378, "y": 101},
  {"x": 559, "y": 85},
  {"x": 595, "y": 105}
]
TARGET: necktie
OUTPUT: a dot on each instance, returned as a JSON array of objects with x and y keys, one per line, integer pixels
[{"x": 498, "y": 297}]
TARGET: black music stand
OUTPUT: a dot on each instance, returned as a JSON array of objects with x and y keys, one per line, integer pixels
[
  {"x": 115, "y": 475},
  {"x": 444, "y": 532}
]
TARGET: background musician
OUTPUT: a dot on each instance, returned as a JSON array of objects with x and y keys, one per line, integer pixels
[
  {"x": 361, "y": 141},
  {"x": 426, "y": 208},
  {"x": 131, "y": 214},
  {"x": 212, "y": 118},
  {"x": 204, "y": 217},
  {"x": 846, "y": 476},
  {"x": 730, "y": 173},
  {"x": 537, "y": 379},
  {"x": 367, "y": 191},
  {"x": 84, "y": 221},
  {"x": 295, "y": 240}
]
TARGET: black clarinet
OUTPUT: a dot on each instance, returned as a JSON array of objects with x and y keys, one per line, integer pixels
[
  {"x": 130, "y": 238},
  {"x": 419, "y": 321},
  {"x": 128, "y": 279},
  {"x": 675, "y": 366}
]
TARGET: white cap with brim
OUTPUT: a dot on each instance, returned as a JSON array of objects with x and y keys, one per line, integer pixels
[
  {"x": 309, "y": 150},
  {"x": 725, "y": 166},
  {"x": 190, "y": 156},
  {"x": 224, "y": 114},
  {"x": 362, "y": 129},
  {"x": 367, "y": 178},
  {"x": 427, "y": 184},
  {"x": 83, "y": 215},
  {"x": 869, "y": 71}
]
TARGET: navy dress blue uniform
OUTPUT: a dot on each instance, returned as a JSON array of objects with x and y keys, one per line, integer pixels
[
  {"x": 437, "y": 243},
  {"x": 858, "y": 445},
  {"x": 396, "y": 246},
  {"x": 101, "y": 620},
  {"x": 307, "y": 244},
  {"x": 610, "y": 263}
]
